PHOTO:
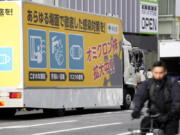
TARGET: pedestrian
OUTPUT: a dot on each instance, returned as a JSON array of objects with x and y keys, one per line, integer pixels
[{"x": 163, "y": 96}]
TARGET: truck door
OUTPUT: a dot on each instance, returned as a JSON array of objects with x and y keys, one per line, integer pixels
[{"x": 129, "y": 67}]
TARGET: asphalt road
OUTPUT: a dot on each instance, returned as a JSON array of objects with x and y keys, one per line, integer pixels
[{"x": 87, "y": 122}]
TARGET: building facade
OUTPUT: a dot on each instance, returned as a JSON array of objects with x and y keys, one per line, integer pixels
[{"x": 169, "y": 19}]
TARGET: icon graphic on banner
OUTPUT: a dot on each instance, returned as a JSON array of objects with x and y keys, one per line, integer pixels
[
  {"x": 76, "y": 52},
  {"x": 37, "y": 54},
  {"x": 37, "y": 49},
  {"x": 58, "y": 50},
  {"x": 5, "y": 59}
]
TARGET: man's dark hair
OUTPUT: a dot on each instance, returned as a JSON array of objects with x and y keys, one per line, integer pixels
[{"x": 159, "y": 64}]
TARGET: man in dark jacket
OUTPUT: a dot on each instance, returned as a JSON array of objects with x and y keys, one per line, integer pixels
[{"x": 163, "y": 96}]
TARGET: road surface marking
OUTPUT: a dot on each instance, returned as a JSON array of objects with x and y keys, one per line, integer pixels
[
  {"x": 129, "y": 133},
  {"x": 113, "y": 112},
  {"x": 36, "y": 125},
  {"x": 106, "y": 114},
  {"x": 79, "y": 128}
]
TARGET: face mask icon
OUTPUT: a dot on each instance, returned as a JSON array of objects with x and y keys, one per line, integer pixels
[
  {"x": 4, "y": 59},
  {"x": 76, "y": 52}
]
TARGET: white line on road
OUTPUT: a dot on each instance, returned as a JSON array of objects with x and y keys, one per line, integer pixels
[
  {"x": 122, "y": 112},
  {"x": 36, "y": 125},
  {"x": 130, "y": 133},
  {"x": 79, "y": 128}
]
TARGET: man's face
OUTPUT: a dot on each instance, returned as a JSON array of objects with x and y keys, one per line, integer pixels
[{"x": 158, "y": 73}]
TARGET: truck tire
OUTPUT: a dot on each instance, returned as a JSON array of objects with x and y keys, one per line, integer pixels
[
  {"x": 54, "y": 112},
  {"x": 80, "y": 109},
  {"x": 128, "y": 95},
  {"x": 7, "y": 113}
]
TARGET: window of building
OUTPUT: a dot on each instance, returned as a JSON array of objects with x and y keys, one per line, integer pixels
[
  {"x": 79, "y": 5},
  {"x": 85, "y": 5},
  {"x": 119, "y": 7},
  {"x": 63, "y": 3},
  {"x": 114, "y": 7},
  {"x": 91, "y": 6},
  {"x": 108, "y": 6},
  {"x": 97, "y": 5},
  {"x": 102, "y": 4},
  {"x": 73, "y": 4},
  {"x": 166, "y": 7}
]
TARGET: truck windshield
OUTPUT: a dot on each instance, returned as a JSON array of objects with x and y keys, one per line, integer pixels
[{"x": 136, "y": 58}]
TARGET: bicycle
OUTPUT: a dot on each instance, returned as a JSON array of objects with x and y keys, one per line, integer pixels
[{"x": 152, "y": 127}]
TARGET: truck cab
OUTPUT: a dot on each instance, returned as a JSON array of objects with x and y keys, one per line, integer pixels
[{"x": 134, "y": 71}]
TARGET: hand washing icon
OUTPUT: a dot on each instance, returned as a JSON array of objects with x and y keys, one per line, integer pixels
[{"x": 37, "y": 48}]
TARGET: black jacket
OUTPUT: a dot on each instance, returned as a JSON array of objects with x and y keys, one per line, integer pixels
[{"x": 165, "y": 98}]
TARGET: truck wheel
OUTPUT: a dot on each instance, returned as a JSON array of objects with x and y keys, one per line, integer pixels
[
  {"x": 80, "y": 109},
  {"x": 7, "y": 113},
  {"x": 128, "y": 96},
  {"x": 54, "y": 112}
]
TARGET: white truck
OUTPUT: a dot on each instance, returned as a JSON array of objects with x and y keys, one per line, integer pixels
[
  {"x": 53, "y": 59},
  {"x": 169, "y": 52}
]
